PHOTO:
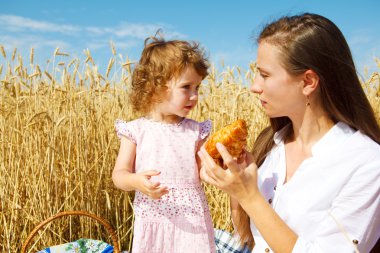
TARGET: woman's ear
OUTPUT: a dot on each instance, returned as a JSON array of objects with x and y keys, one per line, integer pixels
[{"x": 311, "y": 82}]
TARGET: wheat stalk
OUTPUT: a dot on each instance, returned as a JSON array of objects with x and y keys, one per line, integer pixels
[
  {"x": 110, "y": 64},
  {"x": 58, "y": 145},
  {"x": 2, "y": 50},
  {"x": 31, "y": 55},
  {"x": 112, "y": 45},
  {"x": 14, "y": 54},
  {"x": 57, "y": 52}
]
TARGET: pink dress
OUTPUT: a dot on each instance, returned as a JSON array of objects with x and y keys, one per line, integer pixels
[{"x": 180, "y": 221}]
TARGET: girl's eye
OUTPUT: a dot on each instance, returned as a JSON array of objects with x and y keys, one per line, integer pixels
[
  {"x": 186, "y": 87},
  {"x": 263, "y": 75}
]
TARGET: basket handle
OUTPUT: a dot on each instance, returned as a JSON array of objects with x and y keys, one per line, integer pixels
[{"x": 67, "y": 213}]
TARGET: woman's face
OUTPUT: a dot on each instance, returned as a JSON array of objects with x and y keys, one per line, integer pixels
[{"x": 280, "y": 93}]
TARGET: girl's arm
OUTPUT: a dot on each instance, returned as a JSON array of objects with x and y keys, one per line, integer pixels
[
  {"x": 122, "y": 174},
  {"x": 124, "y": 177}
]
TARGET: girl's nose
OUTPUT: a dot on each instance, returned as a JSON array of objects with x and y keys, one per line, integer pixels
[{"x": 194, "y": 95}]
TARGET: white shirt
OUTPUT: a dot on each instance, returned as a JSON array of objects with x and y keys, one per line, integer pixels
[{"x": 332, "y": 200}]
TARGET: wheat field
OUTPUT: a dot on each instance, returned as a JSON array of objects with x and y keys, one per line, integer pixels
[{"x": 58, "y": 144}]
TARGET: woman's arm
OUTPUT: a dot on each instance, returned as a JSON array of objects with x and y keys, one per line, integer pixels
[
  {"x": 274, "y": 230},
  {"x": 124, "y": 177},
  {"x": 241, "y": 184}
]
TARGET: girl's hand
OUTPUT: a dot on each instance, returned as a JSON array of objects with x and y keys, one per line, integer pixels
[
  {"x": 149, "y": 188},
  {"x": 239, "y": 180}
]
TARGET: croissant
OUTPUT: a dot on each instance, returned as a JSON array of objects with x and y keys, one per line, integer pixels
[{"x": 232, "y": 136}]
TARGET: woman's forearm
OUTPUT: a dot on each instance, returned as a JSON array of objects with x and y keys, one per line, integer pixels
[{"x": 274, "y": 230}]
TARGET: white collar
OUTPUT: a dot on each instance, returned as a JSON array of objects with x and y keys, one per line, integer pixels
[{"x": 336, "y": 134}]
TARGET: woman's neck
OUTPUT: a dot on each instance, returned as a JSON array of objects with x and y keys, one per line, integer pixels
[{"x": 311, "y": 127}]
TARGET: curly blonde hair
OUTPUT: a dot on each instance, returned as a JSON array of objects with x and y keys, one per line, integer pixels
[{"x": 160, "y": 62}]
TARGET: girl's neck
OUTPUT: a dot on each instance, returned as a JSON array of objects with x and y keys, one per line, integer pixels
[{"x": 164, "y": 118}]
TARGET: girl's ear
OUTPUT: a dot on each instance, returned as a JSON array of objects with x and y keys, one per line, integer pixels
[{"x": 311, "y": 82}]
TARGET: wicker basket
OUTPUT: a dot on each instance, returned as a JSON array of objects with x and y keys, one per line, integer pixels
[{"x": 68, "y": 213}]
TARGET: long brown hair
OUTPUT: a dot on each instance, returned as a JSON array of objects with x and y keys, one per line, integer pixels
[
  {"x": 310, "y": 41},
  {"x": 160, "y": 61}
]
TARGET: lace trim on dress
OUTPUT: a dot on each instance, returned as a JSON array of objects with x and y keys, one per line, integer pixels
[
  {"x": 122, "y": 129},
  {"x": 205, "y": 128},
  {"x": 173, "y": 125}
]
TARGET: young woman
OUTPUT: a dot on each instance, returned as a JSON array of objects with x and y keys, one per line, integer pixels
[{"x": 312, "y": 182}]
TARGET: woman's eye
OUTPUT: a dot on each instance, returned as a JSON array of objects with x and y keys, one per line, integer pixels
[
  {"x": 263, "y": 75},
  {"x": 186, "y": 87}
]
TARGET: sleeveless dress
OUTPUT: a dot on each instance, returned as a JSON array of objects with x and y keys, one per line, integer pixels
[{"x": 180, "y": 221}]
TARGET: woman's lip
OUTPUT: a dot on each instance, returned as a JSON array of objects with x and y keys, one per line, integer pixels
[{"x": 262, "y": 102}]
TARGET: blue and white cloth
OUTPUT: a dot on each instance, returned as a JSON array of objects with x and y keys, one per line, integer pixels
[
  {"x": 227, "y": 243},
  {"x": 80, "y": 246}
]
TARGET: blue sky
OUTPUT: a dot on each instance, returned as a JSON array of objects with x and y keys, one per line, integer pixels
[{"x": 224, "y": 28}]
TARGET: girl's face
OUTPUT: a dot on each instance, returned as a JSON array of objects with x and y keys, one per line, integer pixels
[
  {"x": 280, "y": 93},
  {"x": 182, "y": 95}
]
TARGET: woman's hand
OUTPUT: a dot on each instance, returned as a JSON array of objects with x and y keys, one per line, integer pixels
[
  {"x": 153, "y": 190},
  {"x": 239, "y": 180}
]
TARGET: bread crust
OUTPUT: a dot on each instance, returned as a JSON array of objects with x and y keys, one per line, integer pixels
[{"x": 233, "y": 137}]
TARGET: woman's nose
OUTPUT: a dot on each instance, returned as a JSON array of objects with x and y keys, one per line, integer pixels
[{"x": 256, "y": 85}]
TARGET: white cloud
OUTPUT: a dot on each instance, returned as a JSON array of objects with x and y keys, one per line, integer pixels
[
  {"x": 17, "y": 23},
  {"x": 121, "y": 44},
  {"x": 43, "y": 48},
  {"x": 26, "y": 33},
  {"x": 135, "y": 30},
  {"x": 359, "y": 40},
  {"x": 140, "y": 31},
  {"x": 12, "y": 23},
  {"x": 26, "y": 42},
  {"x": 97, "y": 44}
]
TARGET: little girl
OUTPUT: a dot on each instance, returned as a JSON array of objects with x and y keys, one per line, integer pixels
[{"x": 157, "y": 152}]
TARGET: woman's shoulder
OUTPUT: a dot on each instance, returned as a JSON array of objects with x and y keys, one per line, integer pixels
[
  {"x": 355, "y": 139},
  {"x": 365, "y": 144},
  {"x": 354, "y": 149}
]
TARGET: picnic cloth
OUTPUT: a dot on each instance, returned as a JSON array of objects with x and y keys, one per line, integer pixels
[
  {"x": 80, "y": 246},
  {"x": 225, "y": 243}
]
